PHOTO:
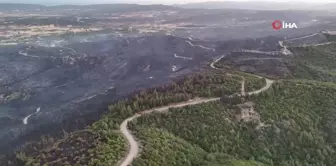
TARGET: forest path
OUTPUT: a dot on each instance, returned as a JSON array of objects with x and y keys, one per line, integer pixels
[{"x": 134, "y": 145}]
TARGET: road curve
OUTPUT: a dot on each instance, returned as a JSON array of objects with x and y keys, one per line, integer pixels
[
  {"x": 212, "y": 65},
  {"x": 134, "y": 145},
  {"x": 266, "y": 87}
]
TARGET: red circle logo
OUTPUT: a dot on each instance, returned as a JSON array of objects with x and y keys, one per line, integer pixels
[{"x": 277, "y": 25}]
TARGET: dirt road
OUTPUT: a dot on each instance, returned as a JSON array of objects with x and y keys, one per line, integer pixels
[
  {"x": 134, "y": 145},
  {"x": 212, "y": 65}
]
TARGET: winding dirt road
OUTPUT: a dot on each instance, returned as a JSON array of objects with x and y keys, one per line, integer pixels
[
  {"x": 302, "y": 37},
  {"x": 285, "y": 50},
  {"x": 212, "y": 65},
  {"x": 206, "y": 48},
  {"x": 134, "y": 145}
]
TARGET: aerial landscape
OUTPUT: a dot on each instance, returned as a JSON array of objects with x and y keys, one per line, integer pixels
[{"x": 194, "y": 84}]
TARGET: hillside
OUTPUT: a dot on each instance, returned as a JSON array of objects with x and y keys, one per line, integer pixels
[
  {"x": 315, "y": 63},
  {"x": 291, "y": 124},
  {"x": 306, "y": 61},
  {"x": 102, "y": 142}
]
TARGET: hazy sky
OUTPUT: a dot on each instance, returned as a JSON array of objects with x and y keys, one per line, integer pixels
[{"x": 138, "y": 1}]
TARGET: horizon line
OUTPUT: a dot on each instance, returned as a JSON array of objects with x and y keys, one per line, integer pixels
[{"x": 149, "y": 3}]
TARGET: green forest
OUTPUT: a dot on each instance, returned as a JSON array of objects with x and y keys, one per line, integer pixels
[
  {"x": 79, "y": 148},
  {"x": 308, "y": 63},
  {"x": 331, "y": 38},
  {"x": 298, "y": 129},
  {"x": 252, "y": 82}
]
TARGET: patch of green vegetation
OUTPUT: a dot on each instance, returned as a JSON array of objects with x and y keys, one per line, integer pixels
[
  {"x": 13, "y": 96},
  {"x": 303, "y": 71},
  {"x": 296, "y": 127},
  {"x": 316, "y": 63},
  {"x": 252, "y": 82},
  {"x": 244, "y": 163},
  {"x": 78, "y": 148},
  {"x": 331, "y": 38},
  {"x": 168, "y": 149},
  {"x": 110, "y": 151},
  {"x": 322, "y": 56},
  {"x": 197, "y": 85},
  {"x": 104, "y": 147},
  {"x": 23, "y": 95}
]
